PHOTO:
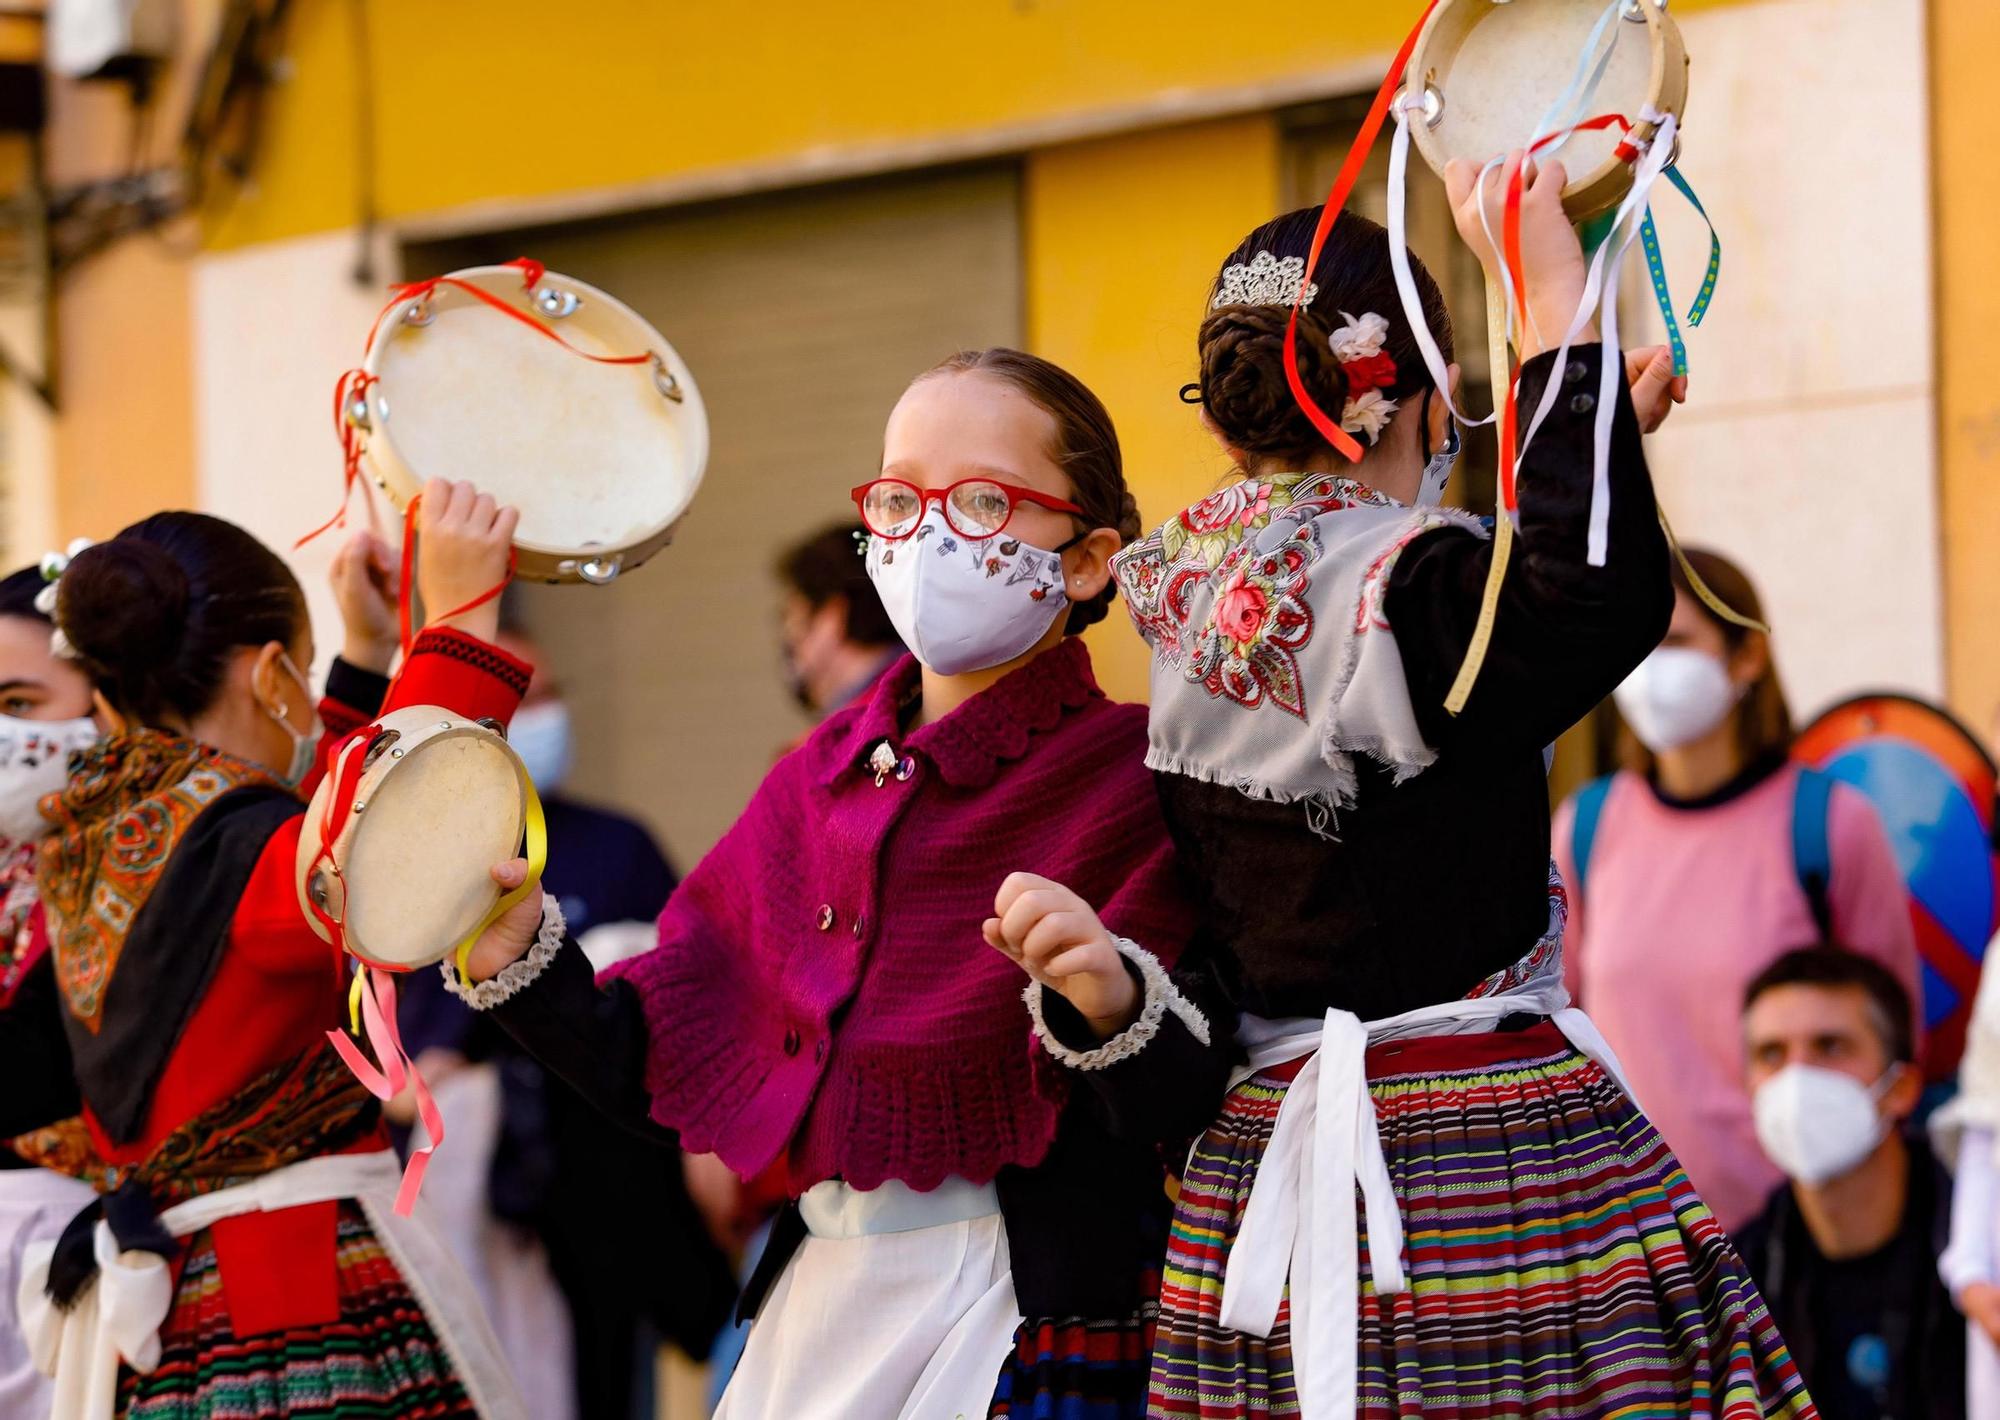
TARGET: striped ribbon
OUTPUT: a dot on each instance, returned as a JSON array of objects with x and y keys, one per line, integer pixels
[{"x": 1656, "y": 266}]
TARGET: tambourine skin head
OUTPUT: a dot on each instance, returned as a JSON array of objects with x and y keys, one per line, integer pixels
[
  {"x": 410, "y": 874},
  {"x": 602, "y": 460},
  {"x": 1488, "y": 71}
]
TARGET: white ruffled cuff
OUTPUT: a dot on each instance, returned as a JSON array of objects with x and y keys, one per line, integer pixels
[
  {"x": 1161, "y": 996},
  {"x": 513, "y": 978}
]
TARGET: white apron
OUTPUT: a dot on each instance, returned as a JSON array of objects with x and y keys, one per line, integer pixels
[
  {"x": 35, "y": 1206},
  {"x": 507, "y": 1265},
  {"x": 118, "y": 1316},
  {"x": 899, "y": 1305}
]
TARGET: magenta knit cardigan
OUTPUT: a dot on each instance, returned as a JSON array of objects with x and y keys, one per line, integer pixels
[{"x": 821, "y": 989}]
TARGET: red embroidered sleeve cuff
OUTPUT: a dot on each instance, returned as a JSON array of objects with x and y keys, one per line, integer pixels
[{"x": 465, "y": 675}]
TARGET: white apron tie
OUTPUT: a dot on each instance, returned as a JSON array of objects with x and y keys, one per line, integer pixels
[{"x": 1298, "y": 1224}]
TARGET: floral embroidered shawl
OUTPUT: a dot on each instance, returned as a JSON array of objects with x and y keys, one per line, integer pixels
[
  {"x": 1273, "y": 660},
  {"x": 154, "y": 839}
]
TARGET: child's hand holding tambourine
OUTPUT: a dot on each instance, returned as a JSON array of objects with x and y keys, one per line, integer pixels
[{"x": 510, "y": 935}]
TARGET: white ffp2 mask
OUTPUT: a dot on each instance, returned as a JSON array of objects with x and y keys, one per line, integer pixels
[
  {"x": 1817, "y": 1124},
  {"x": 1675, "y": 696}
]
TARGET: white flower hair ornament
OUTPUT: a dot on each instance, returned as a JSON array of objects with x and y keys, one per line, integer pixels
[
  {"x": 53, "y": 565},
  {"x": 1369, "y": 369}
]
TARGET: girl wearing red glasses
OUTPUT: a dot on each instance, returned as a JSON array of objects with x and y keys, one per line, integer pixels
[{"x": 966, "y": 1236}]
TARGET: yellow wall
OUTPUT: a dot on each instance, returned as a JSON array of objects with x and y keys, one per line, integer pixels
[
  {"x": 1123, "y": 239},
  {"x": 125, "y": 443},
  {"x": 516, "y": 98},
  {"x": 1965, "y": 34}
]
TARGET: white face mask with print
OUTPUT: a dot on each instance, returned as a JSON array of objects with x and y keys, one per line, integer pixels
[
  {"x": 34, "y": 763},
  {"x": 964, "y": 604},
  {"x": 1817, "y": 1124},
  {"x": 1676, "y": 696}
]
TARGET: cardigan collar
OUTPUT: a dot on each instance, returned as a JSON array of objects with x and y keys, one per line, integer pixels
[{"x": 969, "y": 745}]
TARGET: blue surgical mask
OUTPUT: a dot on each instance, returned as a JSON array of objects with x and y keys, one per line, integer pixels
[
  {"x": 305, "y": 746},
  {"x": 540, "y": 734}
]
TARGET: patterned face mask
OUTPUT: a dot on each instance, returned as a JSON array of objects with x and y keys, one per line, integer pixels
[
  {"x": 964, "y": 604},
  {"x": 34, "y": 763}
]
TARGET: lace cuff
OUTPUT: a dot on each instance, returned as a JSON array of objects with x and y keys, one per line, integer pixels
[
  {"x": 511, "y": 979},
  {"x": 1161, "y": 996}
]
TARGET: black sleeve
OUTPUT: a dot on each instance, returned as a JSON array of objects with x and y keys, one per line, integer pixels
[
  {"x": 359, "y": 690},
  {"x": 1566, "y": 633},
  {"x": 595, "y": 1040},
  {"x": 1170, "y": 1090},
  {"x": 34, "y": 1056}
]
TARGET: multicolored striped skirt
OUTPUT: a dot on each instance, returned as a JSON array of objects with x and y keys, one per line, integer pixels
[
  {"x": 1079, "y": 1370},
  {"x": 381, "y": 1359},
  {"x": 1560, "y": 1263}
]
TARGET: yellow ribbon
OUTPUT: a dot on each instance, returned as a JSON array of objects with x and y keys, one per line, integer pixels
[
  {"x": 1499, "y": 371},
  {"x": 536, "y": 832},
  {"x": 1702, "y": 590}
]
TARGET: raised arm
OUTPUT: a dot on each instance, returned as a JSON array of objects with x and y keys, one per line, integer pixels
[{"x": 1566, "y": 633}]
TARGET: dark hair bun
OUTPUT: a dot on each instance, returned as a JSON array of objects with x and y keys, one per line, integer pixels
[
  {"x": 156, "y": 613},
  {"x": 123, "y": 607},
  {"x": 1243, "y": 384}
]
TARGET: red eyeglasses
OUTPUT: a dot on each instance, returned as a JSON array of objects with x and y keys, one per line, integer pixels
[{"x": 975, "y": 507}]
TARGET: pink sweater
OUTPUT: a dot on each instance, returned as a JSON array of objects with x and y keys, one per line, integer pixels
[
  {"x": 1684, "y": 907},
  {"x": 821, "y": 991}
]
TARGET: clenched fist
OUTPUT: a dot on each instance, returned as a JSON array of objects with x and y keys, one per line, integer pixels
[
  {"x": 1055, "y": 937},
  {"x": 366, "y": 582}
]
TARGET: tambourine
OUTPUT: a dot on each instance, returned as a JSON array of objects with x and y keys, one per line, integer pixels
[
  {"x": 1485, "y": 72},
  {"x": 396, "y": 857},
  {"x": 546, "y": 393}
]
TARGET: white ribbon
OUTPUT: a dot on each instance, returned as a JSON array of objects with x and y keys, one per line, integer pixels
[
  {"x": 1406, "y": 284},
  {"x": 1600, "y": 295},
  {"x": 1298, "y": 1224},
  {"x": 117, "y": 1318}
]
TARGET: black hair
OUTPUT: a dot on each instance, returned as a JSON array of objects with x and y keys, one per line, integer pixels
[
  {"x": 828, "y": 564},
  {"x": 1242, "y": 347},
  {"x": 18, "y": 591},
  {"x": 1835, "y": 967},
  {"x": 154, "y": 613}
]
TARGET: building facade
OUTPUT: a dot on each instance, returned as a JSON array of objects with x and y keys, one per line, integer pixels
[{"x": 817, "y": 203}]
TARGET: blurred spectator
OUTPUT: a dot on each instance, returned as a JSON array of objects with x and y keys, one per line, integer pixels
[
  {"x": 837, "y": 639},
  {"x": 1968, "y": 1130},
  {"x": 1685, "y": 881},
  {"x": 624, "y": 1242},
  {"x": 1846, "y": 1252}
]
